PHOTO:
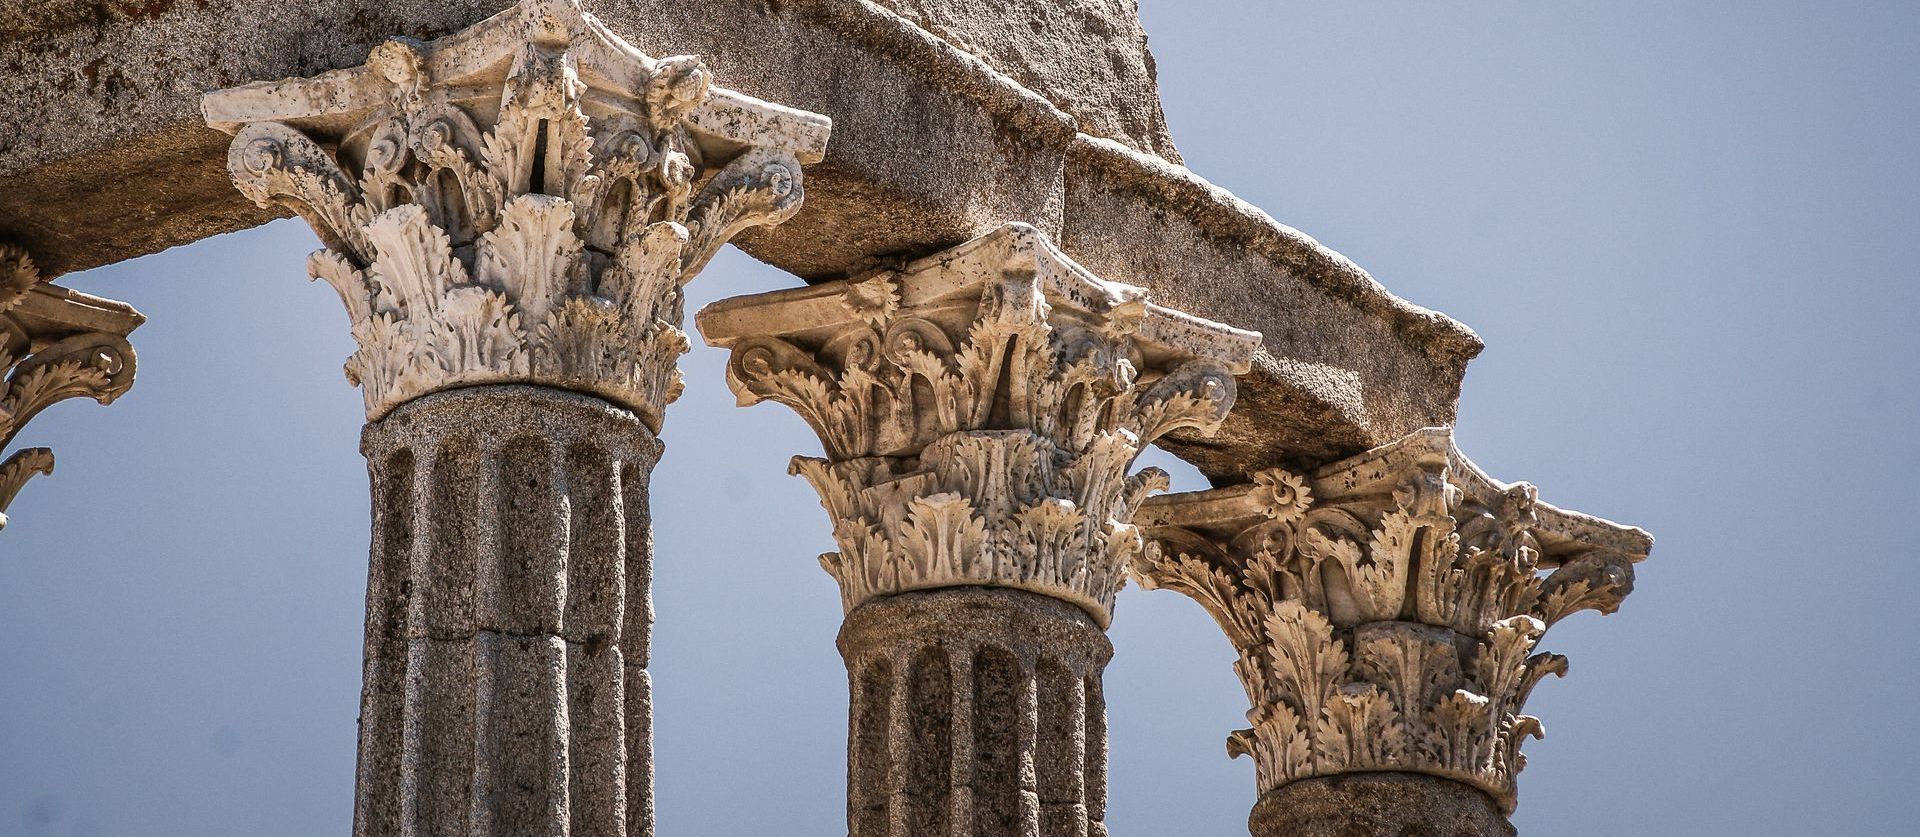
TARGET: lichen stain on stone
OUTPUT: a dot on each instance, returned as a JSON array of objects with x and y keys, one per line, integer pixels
[
  {"x": 133, "y": 10},
  {"x": 150, "y": 9},
  {"x": 101, "y": 78}
]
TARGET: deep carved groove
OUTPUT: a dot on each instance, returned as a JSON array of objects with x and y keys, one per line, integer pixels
[
  {"x": 537, "y": 178},
  {"x": 1058, "y": 750},
  {"x": 1096, "y": 756},
  {"x": 929, "y": 745},
  {"x": 444, "y": 608},
  {"x": 872, "y": 757},
  {"x": 525, "y": 715},
  {"x": 531, "y": 558},
  {"x": 996, "y": 743}
]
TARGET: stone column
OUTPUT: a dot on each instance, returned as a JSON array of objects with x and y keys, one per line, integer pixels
[
  {"x": 1386, "y": 609},
  {"x": 980, "y": 409},
  {"x": 507, "y": 617},
  {"x": 509, "y": 214},
  {"x": 55, "y": 344},
  {"x": 976, "y": 710}
]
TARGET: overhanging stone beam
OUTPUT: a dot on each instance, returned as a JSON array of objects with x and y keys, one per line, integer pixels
[{"x": 105, "y": 157}]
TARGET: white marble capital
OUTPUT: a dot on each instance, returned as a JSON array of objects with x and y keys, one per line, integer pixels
[
  {"x": 980, "y": 409},
  {"x": 518, "y": 202},
  {"x": 1386, "y": 607},
  {"x": 55, "y": 344}
]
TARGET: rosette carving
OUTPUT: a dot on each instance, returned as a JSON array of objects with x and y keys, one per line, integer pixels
[
  {"x": 55, "y": 344},
  {"x": 980, "y": 410},
  {"x": 1386, "y": 609},
  {"x": 519, "y": 202}
]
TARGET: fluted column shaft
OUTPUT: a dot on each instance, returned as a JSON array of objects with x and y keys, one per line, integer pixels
[
  {"x": 975, "y": 711},
  {"x": 506, "y": 688}
]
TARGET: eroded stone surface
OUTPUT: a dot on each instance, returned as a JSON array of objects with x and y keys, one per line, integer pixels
[
  {"x": 1386, "y": 608},
  {"x": 1367, "y": 804},
  {"x": 980, "y": 409},
  {"x": 1345, "y": 365},
  {"x": 55, "y": 344},
  {"x": 508, "y": 617},
  {"x": 1088, "y": 57},
  {"x": 975, "y": 711}
]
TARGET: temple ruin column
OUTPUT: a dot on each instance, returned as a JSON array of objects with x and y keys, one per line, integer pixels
[
  {"x": 1386, "y": 610},
  {"x": 980, "y": 409},
  {"x": 55, "y": 344},
  {"x": 509, "y": 214}
]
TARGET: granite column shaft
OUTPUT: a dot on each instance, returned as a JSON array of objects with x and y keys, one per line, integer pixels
[
  {"x": 506, "y": 690},
  {"x": 975, "y": 711}
]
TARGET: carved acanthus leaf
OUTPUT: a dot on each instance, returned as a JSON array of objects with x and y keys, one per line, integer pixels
[
  {"x": 92, "y": 365},
  {"x": 1402, "y": 593},
  {"x": 540, "y": 237},
  {"x": 18, "y": 275}
]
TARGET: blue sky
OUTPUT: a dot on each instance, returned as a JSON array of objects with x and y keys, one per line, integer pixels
[{"x": 1687, "y": 234}]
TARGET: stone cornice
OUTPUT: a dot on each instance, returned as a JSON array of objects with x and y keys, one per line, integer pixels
[
  {"x": 517, "y": 202},
  {"x": 980, "y": 409},
  {"x": 1386, "y": 607},
  {"x": 55, "y": 344}
]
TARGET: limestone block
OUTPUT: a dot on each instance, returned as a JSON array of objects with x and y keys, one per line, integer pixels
[{"x": 1088, "y": 57}]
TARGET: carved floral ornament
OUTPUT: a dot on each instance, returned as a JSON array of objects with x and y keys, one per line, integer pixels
[
  {"x": 55, "y": 344},
  {"x": 519, "y": 201},
  {"x": 1386, "y": 608},
  {"x": 980, "y": 409}
]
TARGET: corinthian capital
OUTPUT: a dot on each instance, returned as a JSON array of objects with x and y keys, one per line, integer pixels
[
  {"x": 517, "y": 202},
  {"x": 980, "y": 409},
  {"x": 55, "y": 344},
  {"x": 1386, "y": 608}
]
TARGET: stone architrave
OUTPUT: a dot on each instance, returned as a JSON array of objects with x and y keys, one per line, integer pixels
[
  {"x": 1386, "y": 609},
  {"x": 55, "y": 344},
  {"x": 980, "y": 409},
  {"x": 509, "y": 214}
]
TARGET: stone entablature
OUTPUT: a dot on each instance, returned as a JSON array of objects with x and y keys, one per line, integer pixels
[
  {"x": 518, "y": 202},
  {"x": 980, "y": 408},
  {"x": 55, "y": 344},
  {"x": 1386, "y": 607}
]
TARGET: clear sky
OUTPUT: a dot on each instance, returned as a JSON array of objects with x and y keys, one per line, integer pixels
[{"x": 1687, "y": 232}]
